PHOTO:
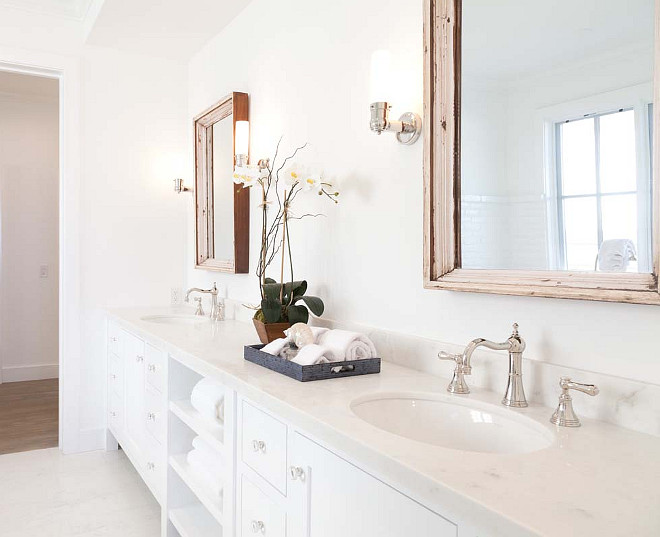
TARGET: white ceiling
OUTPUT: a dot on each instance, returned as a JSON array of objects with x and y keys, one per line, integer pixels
[
  {"x": 71, "y": 9},
  {"x": 516, "y": 37},
  {"x": 171, "y": 28},
  {"x": 29, "y": 85}
]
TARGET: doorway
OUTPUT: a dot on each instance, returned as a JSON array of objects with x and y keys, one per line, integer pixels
[{"x": 29, "y": 261}]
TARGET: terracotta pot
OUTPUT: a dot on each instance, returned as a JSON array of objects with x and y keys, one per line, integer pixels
[{"x": 270, "y": 331}]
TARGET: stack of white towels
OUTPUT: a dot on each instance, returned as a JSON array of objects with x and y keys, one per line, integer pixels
[
  {"x": 207, "y": 465},
  {"x": 317, "y": 345},
  {"x": 208, "y": 398}
]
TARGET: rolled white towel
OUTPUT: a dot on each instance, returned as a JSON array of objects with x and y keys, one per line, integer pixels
[
  {"x": 208, "y": 398},
  {"x": 276, "y": 347},
  {"x": 208, "y": 475},
  {"x": 208, "y": 452},
  {"x": 344, "y": 345},
  {"x": 311, "y": 355},
  {"x": 318, "y": 331}
]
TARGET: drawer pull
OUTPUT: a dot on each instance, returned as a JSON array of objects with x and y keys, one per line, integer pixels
[
  {"x": 113, "y": 377},
  {"x": 151, "y": 416},
  {"x": 151, "y": 466},
  {"x": 114, "y": 339},
  {"x": 113, "y": 414},
  {"x": 297, "y": 473},
  {"x": 139, "y": 358},
  {"x": 258, "y": 527},
  {"x": 259, "y": 445},
  {"x": 151, "y": 368}
]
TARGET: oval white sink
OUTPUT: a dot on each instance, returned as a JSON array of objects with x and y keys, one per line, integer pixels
[
  {"x": 453, "y": 422},
  {"x": 175, "y": 319}
]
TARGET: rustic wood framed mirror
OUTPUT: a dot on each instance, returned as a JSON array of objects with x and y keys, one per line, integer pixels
[
  {"x": 222, "y": 208},
  {"x": 541, "y": 165}
]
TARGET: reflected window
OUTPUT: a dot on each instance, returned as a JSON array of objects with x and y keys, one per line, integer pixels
[{"x": 603, "y": 201}]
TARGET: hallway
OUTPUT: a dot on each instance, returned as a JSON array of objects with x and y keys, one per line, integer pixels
[{"x": 28, "y": 415}]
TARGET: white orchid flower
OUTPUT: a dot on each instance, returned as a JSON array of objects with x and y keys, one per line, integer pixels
[
  {"x": 246, "y": 175},
  {"x": 292, "y": 175},
  {"x": 312, "y": 181}
]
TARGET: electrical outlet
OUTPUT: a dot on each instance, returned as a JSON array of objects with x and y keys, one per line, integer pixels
[{"x": 175, "y": 296}]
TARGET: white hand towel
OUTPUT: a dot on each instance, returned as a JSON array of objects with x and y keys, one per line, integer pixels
[
  {"x": 311, "y": 355},
  {"x": 208, "y": 452},
  {"x": 208, "y": 398},
  {"x": 210, "y": 477},
  {"x": 276, "y": 347},
  {"x": 615, "y": 255},
  {"x": 318, "y": 331},
  {"x": 344, "y": 345}
]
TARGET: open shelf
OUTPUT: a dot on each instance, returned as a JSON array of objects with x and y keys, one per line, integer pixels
[
  {"x": 212, "y": 432},
  {"x": 211, "y": 501},
  {"x": 194, "y": 521}
]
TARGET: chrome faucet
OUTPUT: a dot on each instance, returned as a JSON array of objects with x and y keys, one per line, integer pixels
[
  {"x": 565, "y": 415},
  {"x": 515, "y": 345},
  {"x": 217, "y": 311}
]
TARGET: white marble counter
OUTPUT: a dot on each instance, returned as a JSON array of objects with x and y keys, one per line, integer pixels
[{"x": 597, "y": 480}]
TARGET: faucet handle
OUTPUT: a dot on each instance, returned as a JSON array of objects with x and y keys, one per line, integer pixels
[
  {"x": 565, "y": 415},
  {"x": 457, "y": 384}
]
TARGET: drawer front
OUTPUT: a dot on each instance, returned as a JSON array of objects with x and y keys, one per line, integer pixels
[
  {"x": 155, "y": 367},
  {"x": 114, "y": 338},
  {"x": 116, "y": 376},
  {"x": 263, "y": 445},
  {"x": 116, "y": 411},
  {"x": 155, "y": 466},
  {"x": 259, "y": 514},
  {"x": 155, "y": 415}
]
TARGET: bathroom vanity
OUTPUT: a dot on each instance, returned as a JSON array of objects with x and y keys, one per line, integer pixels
[{"x": 353, "y": 457}]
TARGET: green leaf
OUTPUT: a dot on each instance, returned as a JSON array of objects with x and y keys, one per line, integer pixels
[
  {"x": 297, "y": 314},
  {"x": 314, "y": 303},
  {"x": 296, "y": 286},
  {"x": 272, "y": 290},
  {"x": 269, "y": 280},
  {"x": 272, "y": 309},
  {"x": 300, "y": 290}
]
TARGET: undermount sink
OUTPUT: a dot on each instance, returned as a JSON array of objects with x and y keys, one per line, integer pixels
[
  {"x": 181, "y": 319},
  {"x": 453, "y": 422}
]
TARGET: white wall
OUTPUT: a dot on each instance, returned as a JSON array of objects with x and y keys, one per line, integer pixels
[
  {"x": 29, "y": 231},
  {"x": 305, "y": 65}
]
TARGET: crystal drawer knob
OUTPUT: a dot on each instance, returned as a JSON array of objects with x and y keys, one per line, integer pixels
[
  {"x": 114, "y": 339},
  {"x": 151, "y": 368},
  {"x": 297, "y": 473},
  {"x": 258, "y": 527},
  {"x": 114, "y": 377},
  {"x": 151, "y": 416},
  {"x": 139, "y": 358},
  {"x": 259, "y": 445},
  {"x": 113, "y": 414},
  {"x": 151, "y": 466}
]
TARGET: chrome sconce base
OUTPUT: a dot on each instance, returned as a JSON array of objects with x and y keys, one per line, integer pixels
[{"x": 407, "y": 129}]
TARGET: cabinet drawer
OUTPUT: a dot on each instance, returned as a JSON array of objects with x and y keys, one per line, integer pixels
[
  {"x": 114, "y": 339},
  {"x": 155, "y": 466},
  {"x": 116, "y": 376},
  {"x": 259, "y": 514},
  {"x": 263, "y": 445},
  {"x": 154, "y": 414},
  {"x": 116, "y": 411},
  {"x": 155, "y": 367}
]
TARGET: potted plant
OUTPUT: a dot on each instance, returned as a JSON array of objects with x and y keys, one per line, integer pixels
[{"x": 283, "y": 303}]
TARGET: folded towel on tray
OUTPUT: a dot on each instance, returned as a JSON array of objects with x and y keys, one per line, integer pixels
[
  {"x": 344, "y": 345},
  {"x": 208, "y": 398},
  {"x": 311, "y": 355},
  {"x": 276, "y": 347}
]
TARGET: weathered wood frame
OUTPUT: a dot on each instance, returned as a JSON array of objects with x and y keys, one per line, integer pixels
[
  {"x": 442, "y": 170},
  {"x": 235, "y": 105}
]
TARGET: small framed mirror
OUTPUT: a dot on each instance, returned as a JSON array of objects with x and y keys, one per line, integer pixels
[
  {"x": 222, "y": 208},
  {"x": 541, "y": 157}
]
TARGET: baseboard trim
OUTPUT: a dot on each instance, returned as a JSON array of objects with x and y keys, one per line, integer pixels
[
  {"x": 20, "y": 373},
  {"x": 91, "y": 440}
]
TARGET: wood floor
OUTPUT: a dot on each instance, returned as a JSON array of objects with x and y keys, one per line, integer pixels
[{"x": 28, "y": 415}]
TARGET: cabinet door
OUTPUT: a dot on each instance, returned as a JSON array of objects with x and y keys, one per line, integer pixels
[
  {"x": 333, "y": 497},
  {"x": 136, "y": 417}
]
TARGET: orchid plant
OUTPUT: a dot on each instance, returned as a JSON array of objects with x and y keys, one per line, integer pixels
[{"x": 280, "y": 186}]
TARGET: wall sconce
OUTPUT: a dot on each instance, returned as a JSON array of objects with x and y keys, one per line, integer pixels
[
  {"x": 409, "y": 126},
  {"x": 242, "y": 142},
  {"x": 180, "y": 187}
]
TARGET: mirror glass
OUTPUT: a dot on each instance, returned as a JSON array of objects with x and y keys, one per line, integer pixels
[
  {"x": 556, "y": 135},
  {"x": 222, "y": 186}
]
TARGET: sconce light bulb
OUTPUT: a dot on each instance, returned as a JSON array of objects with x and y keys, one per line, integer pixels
[
  {"x": 381, "y": 76},
  {"x": 242, "y": 138}
]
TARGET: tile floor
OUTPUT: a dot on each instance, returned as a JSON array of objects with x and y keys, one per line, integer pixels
[{"x": 99, "y": 494}]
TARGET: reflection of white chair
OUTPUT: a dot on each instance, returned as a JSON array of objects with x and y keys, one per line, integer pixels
[{"x": 615, "y": 255}]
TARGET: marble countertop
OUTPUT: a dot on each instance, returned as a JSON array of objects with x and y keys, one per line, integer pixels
[{"x": 596, "y": 480}]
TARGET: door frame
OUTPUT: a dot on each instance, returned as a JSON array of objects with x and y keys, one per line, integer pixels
[{"x": 67, "y": 70}]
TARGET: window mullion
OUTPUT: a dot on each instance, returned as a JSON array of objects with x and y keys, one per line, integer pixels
[{"x": 599, "y": 209}]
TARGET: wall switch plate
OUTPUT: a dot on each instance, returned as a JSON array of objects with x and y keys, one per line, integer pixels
[
  {"x": 43, "y": 271},
  {"x": 175, "y": 296}
]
